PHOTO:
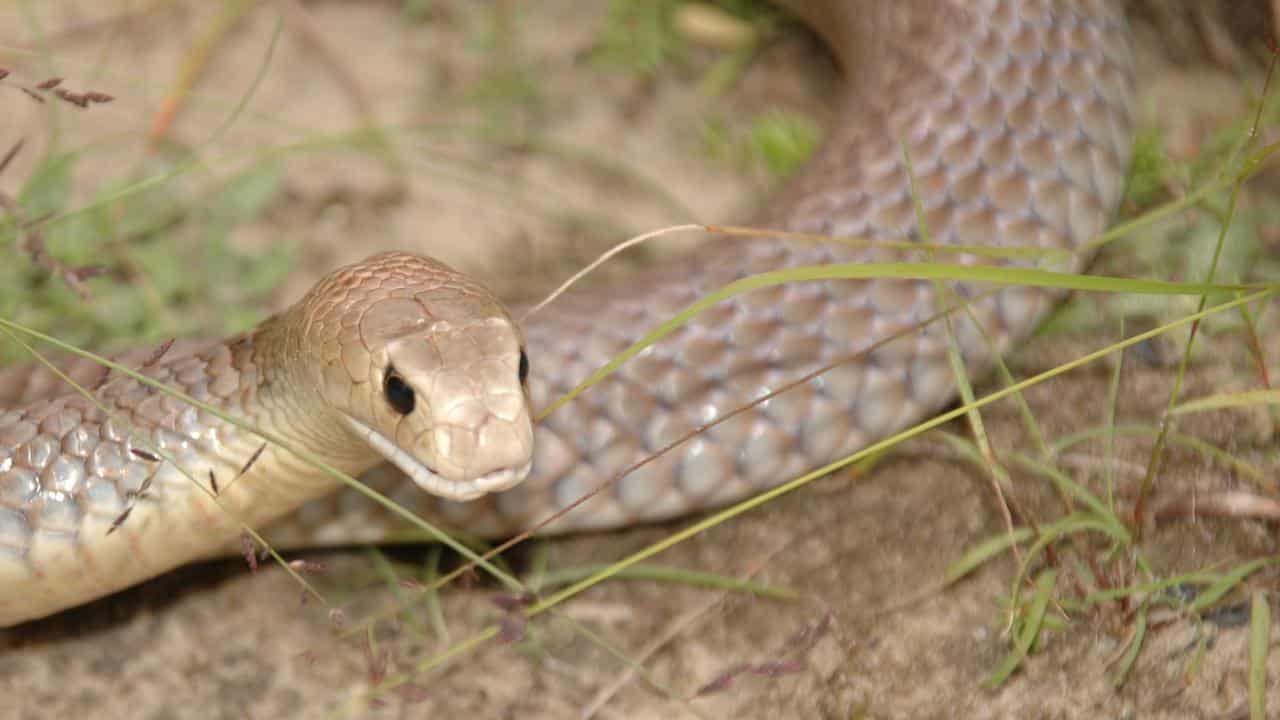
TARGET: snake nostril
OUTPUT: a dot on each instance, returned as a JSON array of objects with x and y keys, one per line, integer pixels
[
  {"x": 398, "y": 393},
  {"x": 524, "y": 367}
]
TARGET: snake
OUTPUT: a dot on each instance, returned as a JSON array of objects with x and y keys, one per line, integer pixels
[{"x": 994, "y": 123}]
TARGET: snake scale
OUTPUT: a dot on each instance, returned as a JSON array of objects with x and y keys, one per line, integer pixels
[{"x": 1016, "y": 115}]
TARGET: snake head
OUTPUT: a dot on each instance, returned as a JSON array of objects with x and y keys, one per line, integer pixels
[{"x": 428, "y": 368}]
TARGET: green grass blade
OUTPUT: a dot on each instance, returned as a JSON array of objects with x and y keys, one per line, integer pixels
[
  {"x": 1222, "y": 401},
  {"x": 1215, "y": 592},
  {"x": 984, "y": 551},
  {"x": 914, "y": 271},
  {"x": 660, "y": 573},
  {"x": 1113, "y": 402},
  {"x": 1028, "y": 633},
  {"x": 1135, "y": 646},
  {"x": 1194, "y": 444},
  {"x": 1259, "y": 643},
  {"x": 1076, "y": 490}
]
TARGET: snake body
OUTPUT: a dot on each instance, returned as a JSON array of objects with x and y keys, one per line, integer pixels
[{"x": 1016, "y": 116}]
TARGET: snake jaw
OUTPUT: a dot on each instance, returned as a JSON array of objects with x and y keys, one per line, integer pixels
[{"x": 431, "y": 481}]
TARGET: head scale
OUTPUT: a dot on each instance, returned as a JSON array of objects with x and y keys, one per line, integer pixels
[{"x": 427, "y": 367}]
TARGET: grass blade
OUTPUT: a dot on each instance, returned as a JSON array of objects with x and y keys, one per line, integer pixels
[
  {"x": 984, "y": 551},
  {"x": 1259, "y": 642},
  {"x": 1029, "y": 632},
  {"x": 1222, "y": 401},
  {"x": 1135, "y": 646},
  {"x": 1212, "y": 594}
]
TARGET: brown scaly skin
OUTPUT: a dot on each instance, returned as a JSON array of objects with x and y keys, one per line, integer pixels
[
  {"x": 99, "y": 493},
  {"x": 1016, "y": 114},
  {"x": 1017, "y": 119}
]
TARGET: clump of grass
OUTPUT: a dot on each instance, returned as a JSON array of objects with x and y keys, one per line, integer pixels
[
  {"x": 144, "y": 290},
  {"x": 416, "y": 11},
  {"x": 511, "y": 100},
  {"x": 777, "y": 143},
  {"x": 1149, "y": 171},
  {"x": 640, "y": 36},
  {"x": 643, "y": 37},
  {"x": 1092, "y": 563},
  {"x": 118, "y": 249},
  {"x": 1185, "y": 242}
]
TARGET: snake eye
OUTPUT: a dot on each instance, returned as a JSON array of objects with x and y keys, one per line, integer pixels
[
  {"x": 399, "y": 394},
  {"x": 524, "y": 367}
]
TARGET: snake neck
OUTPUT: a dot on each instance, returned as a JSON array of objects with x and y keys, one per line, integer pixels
[{"x": 282, "y": 392}]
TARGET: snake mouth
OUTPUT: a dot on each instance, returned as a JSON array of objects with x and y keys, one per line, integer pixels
[{"x": 431, "y": 481}]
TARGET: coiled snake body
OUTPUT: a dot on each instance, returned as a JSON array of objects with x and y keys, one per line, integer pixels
[{"x": 1016, "y": 115}]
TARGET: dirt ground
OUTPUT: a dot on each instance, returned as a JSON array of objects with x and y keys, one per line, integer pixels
[{"x": 572, "y": 167}]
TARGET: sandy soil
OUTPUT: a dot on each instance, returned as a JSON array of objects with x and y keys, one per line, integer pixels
[{"x": 872, "y": 633}]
